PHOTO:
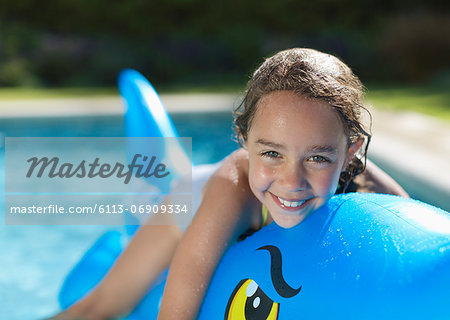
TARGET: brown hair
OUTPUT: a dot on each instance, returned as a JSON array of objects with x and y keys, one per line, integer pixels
[{"x": 315, "y": 75}]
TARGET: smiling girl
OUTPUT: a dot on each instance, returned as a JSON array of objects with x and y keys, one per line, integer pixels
[{"x": 303, "y": 138}]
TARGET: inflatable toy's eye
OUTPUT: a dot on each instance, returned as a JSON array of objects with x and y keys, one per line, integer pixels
[{"x": 249, "y": 302}]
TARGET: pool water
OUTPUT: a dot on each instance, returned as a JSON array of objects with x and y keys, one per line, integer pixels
[{"x": 35, "y": 259}]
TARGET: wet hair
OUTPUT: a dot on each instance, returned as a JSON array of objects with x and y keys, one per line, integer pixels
[{"x": 313, "y": 75}]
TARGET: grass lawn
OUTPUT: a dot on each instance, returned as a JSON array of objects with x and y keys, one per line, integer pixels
[
  {"x": 431, "y": 100},
  {"x": 41, "y": 93},
  {"x": 45, "y": 93}
]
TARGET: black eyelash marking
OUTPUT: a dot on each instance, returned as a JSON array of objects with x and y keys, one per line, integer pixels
[{"x": 276, "y": 273}]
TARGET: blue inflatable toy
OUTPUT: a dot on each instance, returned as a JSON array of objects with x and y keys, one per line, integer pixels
[{"x": 360, "y": 256}]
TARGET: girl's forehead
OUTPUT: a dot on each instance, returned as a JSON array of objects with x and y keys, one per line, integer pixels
[
  {"x": 284, "y": 114},
  {"x": 287, "y": 105}
]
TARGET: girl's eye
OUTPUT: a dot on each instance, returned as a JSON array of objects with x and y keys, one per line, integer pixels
[
  {"x": 271, "y": 154},
  {"x": 319, "y": 159}
]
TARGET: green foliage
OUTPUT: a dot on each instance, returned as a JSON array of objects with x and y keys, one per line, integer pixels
[
  {"x": 15, "y": 72},
  {"x": 87, "y": 42},
  {"x": 415, "y": 46}
]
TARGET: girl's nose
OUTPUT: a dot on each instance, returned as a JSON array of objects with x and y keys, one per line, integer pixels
[{"x": 293, "y": 177}]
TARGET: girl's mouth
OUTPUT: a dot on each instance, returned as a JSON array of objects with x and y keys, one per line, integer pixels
[{"x": 289, "y": 205}]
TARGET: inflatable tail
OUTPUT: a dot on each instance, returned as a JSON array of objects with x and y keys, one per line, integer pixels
[
  {"x": 92, "y": 267},
  {"x": 145, "y": 116}
]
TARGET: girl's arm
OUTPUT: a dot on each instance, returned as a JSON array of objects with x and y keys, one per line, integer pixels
[{"x": 223, "y": 215}]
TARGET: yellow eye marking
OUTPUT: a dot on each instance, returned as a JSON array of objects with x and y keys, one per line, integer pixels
[{"x": 248, "y": 301}]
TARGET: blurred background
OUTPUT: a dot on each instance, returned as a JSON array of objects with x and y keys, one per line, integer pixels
[
  {"x": 59, "y": 61},
  {"x": 194, "y": 42},
  {"x": 75, "y": 49}
]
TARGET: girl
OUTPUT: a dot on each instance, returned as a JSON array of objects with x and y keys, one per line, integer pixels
[
  {"x": 303, "y": 141},
  {"x": 303, "y": 136}
]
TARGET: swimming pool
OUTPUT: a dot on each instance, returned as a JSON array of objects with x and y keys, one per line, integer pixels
[{"x": 35, "y": 259}]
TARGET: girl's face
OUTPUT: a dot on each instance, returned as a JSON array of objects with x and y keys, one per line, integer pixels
[{"x": 297, "y": 150}]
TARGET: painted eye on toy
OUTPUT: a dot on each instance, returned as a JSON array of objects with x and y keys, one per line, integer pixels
[{"x": 249, "y": 302}]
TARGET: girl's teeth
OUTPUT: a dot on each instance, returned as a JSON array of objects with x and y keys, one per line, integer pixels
[{"x": 292, "y": 204}]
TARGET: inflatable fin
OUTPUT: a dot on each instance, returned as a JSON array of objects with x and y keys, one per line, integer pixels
[{"x": 145, "y": 116}]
